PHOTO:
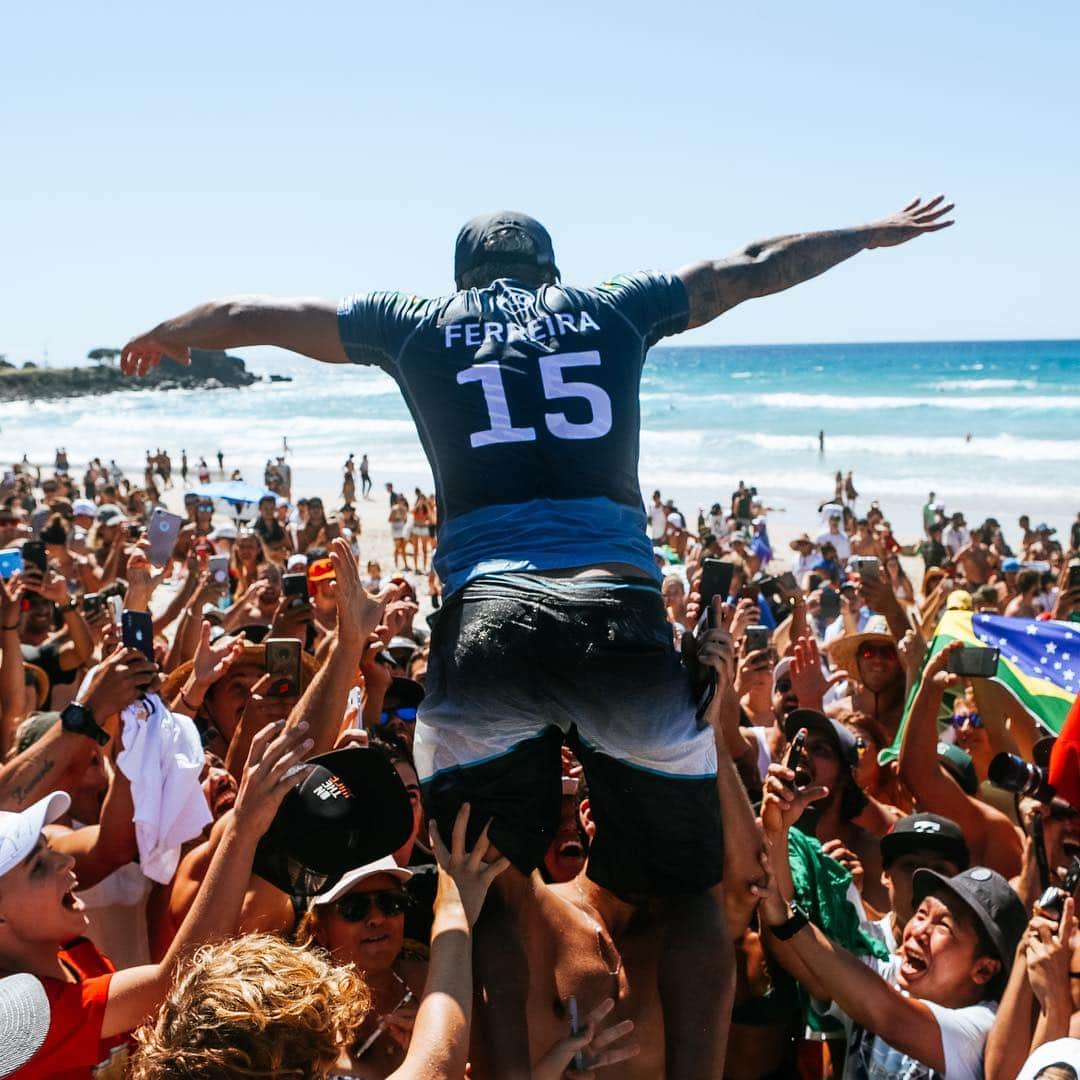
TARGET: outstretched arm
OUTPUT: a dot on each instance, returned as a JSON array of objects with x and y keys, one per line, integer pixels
[
  {"x": 303, "y": 325},
  {"x": 771, "y": 266}
]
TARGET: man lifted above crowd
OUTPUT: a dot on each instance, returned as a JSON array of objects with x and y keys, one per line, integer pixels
[{"x": 525, "y": 394}]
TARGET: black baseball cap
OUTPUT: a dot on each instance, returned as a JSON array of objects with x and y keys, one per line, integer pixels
[
  {"x": 925, "y": 832},
  {"x": 350, "y": 810},
  {"x": 505, "y": 236},
  {"x": 405, "y": 693},
  {"x": 988, "y": 896},
  {"x": 844, "y": 743}
]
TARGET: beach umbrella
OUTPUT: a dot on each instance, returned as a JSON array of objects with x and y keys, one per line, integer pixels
[{"x": 237, "y": 492}]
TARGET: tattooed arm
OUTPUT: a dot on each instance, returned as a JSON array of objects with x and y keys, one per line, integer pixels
[
  {"x": 774, "y": 265},
  {"x": 59, "y": 758}
]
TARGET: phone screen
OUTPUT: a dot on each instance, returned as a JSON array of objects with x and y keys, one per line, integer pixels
[
  {"x": 10, "y": 560},
  {"x": 974, "y": 661},
  {"x": 757, "y": 638},
  {"x": 33, "y": 553},
  {"x": 219, "y": 569},
  {"x": 283, "y": 663}
]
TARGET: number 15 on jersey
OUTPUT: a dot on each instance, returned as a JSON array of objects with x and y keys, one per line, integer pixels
[{"x": 502, "y": 429}]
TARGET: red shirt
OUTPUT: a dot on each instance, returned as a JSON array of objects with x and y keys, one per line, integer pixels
[{"x": 73, "y": 1048}]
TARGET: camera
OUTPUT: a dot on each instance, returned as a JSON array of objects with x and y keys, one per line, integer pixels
[{"x": 1013, "y": 773}]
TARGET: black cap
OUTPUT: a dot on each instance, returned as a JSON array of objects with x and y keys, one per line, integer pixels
[
  {"x": 522, "y": 239},
  {"x": 988, "y": 896},
  {"x": 844, "y": 743},
  {"x": 350, "y": 810},
  {"x": 925, "y": 832},
  {"x": 404, "y": 693}
]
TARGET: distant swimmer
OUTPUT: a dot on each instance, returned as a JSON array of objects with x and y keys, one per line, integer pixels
[
  {"x": 821, "y": 442},
  {"x": 526, "y": 393}
]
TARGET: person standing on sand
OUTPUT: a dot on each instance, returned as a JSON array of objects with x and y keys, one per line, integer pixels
[
  {"x": 526, "y": 393},
  {"x": 365, "y": 478}
]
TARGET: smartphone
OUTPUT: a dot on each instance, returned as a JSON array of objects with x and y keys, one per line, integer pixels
[
  {"x": 974, "y": 661},
  {"x": 164, "y": 529},
  {"x": 868, "y": 567},
  {"x": 294, "y": 586},
  {"x": 814, "y": 582},
  {"x": 219, "y": 569},
  {"x": 795, "y": 757},
  {"x": 283, "y": 664},
  {"x": 92, "y": 603},
  {"x": 11, "y": 560},
  {"x": 788, "y": 582},
  {"x": 134, "y": 530},
  {"x": 757, "y": 638},
  {"x": 1052, "y": 901},
  {"x": 1074, "y": 576},
  {"x": 116, "y": 608},
  {"x": 572, "y": 1016},
  {"x": 33, "y": 553},
  {"x": 137, "y": 632},
  {"x": 769, "y": 586},
  {"x": 716, "y": 576}
]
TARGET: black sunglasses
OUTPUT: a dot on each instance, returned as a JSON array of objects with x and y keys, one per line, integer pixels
[{"x": 355, "y": 907}]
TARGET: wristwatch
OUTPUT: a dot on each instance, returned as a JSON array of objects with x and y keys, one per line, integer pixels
[
  {"x": 795, "y": 922},
  {"x": 79, "y": 720}
]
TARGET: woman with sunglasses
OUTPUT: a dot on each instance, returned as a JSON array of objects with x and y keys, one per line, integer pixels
[{"x": 361, "y": 921}]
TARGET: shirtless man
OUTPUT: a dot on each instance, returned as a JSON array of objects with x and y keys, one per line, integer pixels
[{"x": 525, "y": 393}]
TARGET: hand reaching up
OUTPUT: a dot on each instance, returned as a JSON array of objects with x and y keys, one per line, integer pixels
[
  {"x": 464, "y": 877},
  {"x": 594, "y": 1042}
]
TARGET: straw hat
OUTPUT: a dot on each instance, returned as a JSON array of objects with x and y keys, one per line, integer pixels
[
  {"x": 40, "y": 679},
  {"x": 252, "y": 656},
  {"x": 844, "y": 650},
  {"x": 802, "y": 538}
]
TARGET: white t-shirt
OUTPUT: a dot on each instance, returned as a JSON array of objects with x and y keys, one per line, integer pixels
[
  {"x": 839, "y": 541},
  {"x": 955, "y": 538},
  {"x": 1060, "y": 1051},
  {"x": 657, "y": 523},
  {"x": 963, "y": 1038}
]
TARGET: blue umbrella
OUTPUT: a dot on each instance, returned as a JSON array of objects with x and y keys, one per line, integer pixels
[{"x": 234, "y": 491}]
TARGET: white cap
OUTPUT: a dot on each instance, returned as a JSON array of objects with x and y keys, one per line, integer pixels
[
  {"x": 19, "y": 832},
  {"x": 385, "y": 865},
  {"x": 83, "y": 508},
  {"x": 24, "y": 1020},
  {"x": 223, "y": 532},
  {"x": 676, "y": 520},
  {"x": 296, "y": 562},
  {"x": 280, "y": 501}
]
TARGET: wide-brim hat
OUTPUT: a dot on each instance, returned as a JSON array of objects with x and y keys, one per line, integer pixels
[
  {"x": 350, "y": 810},
  {"x": 843, "y": 650},
  {"x": 802, "y": 538}
]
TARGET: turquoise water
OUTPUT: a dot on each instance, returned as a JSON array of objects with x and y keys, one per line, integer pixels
[{"x": 898, "y": 415}]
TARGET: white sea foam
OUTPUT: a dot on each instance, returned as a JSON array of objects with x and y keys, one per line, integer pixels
[{"x": 967, "y": 385}]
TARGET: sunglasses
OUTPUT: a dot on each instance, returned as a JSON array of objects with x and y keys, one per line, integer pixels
[
  {"x": 971, "y": 719},
  {"x": 355, "y": 907},
  {"x": 408, "y": 715},
  {"x": 882, "y": 652}
]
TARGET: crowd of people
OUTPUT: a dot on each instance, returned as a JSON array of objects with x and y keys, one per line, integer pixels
[
  {"x": 644, "y": 799},
  {"x": 135, "y": 928}
]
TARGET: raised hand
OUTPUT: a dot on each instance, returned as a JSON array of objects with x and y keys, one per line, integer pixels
[
  {"x": 846, "y": 858},
  {"x": 1048, "y": 951},
  {"x": 593, "y": 1042},
  {"x": 914, "y": 220},
  {"x": 782, "y": 803},
  {"x": 268, "y": 774},
  {"x": 143, "y": 353},
  {"x": 807, "y": 680},
  {"x": 358, "y": 611},
  {"x": 118, "y": 681},
  {"x": 142, "y": 581},
  {"x": 464, "y": 877},
  {"x": 211, "y": 662},
  {"x": 715, "y": 648}
]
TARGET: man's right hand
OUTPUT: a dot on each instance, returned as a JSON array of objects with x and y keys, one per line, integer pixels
[{"x": 142, "y": 353}]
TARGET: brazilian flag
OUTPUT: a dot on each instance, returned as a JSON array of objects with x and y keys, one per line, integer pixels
[{"x": 1040, "y": 663}]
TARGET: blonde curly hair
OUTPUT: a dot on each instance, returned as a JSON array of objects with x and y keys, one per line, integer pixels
[{"x": 253, "y": 1007}]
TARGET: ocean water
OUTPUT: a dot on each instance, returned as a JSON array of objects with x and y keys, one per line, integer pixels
[{"x": 991, "y": 427}]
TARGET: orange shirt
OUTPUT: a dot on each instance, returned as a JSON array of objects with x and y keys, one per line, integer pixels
[{"x": 73, "y": 1047}]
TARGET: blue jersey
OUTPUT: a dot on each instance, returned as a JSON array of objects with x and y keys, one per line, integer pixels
[{"x": 526, "y": 402}]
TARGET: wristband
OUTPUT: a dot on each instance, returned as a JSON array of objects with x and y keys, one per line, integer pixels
[
  {"x": 9, "y": 628},
  {"x": 797, "y": 921},
  {"x": 184, "y": 701}
]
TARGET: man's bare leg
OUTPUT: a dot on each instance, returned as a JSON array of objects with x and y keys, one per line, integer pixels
[{"x": 697, "y": 985}]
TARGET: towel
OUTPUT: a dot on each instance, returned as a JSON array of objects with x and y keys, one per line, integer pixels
[{"x": 162, "y": 756}]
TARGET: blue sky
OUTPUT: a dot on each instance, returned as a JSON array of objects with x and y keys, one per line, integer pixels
[{"x": 155, "y": 159}]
